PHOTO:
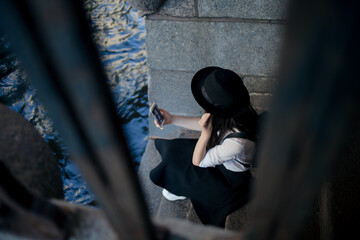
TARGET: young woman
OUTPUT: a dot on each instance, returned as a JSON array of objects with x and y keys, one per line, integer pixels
[{"x": 213, "y": 171}]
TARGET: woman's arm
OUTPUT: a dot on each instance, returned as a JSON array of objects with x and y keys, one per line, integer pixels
[
  {"x": 200, "y": 147},
  {"x": 186, "y": 122}
]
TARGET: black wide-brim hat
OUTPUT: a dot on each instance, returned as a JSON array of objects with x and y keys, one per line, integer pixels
[{"x": 220, "y": 92}]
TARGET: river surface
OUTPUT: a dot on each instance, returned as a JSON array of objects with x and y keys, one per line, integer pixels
[{"x": 119, "y": 33}]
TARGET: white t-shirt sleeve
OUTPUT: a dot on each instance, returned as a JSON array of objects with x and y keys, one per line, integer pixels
[{"x": 222, "y": 153}]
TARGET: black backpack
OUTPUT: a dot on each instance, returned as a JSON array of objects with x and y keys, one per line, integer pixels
[{"x": 262, "y": 119}]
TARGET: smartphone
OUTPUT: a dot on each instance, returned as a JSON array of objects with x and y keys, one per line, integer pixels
[{"x": 157, "y": 114}]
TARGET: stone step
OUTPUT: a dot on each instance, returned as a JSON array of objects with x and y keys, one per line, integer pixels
[
  {"x": 160, "y": 207},
  {"x": 152, "y": 193},
  {"x": 238, "y": 220},
  {"x": 177, "y": 209}
]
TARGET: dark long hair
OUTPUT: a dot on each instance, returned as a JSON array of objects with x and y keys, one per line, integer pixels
[{"x": 246, "y": 123}]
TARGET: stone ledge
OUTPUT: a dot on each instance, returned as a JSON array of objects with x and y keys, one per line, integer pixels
[
  {"x": 238, "y": 220},
  {"x": 177, "y": 8},
  {"x": 190, "y": 231},
  {"x": 192, "y": 45},
  {"x": 171, "y": 90},
  {"x": 146, "y": 7},
  {"x": 175, "y": 209},
  {"x": 171, "y": 132},
  {"x": 261, "y": 102},
  {"x": 256, "y": 84},
  {"x": 261, "y": 9}
]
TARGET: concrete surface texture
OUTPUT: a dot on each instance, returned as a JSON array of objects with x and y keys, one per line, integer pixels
[
  {"x": 185, "y": 36},
  {"x": 260, "y": 9},
  {"x": 244, "y": 36},
  {"x": 146, "y": 7}
]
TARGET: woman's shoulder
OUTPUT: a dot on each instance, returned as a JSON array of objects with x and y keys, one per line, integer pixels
[
  {"x": 237, "y": 137},
  {"x": 236, "y": 146},
  {"x": 239, "y": 145},
  {"x": 238, "y": 140}
]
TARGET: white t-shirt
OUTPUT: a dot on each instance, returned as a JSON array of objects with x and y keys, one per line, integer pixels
[{"x": 228, "y": 153}]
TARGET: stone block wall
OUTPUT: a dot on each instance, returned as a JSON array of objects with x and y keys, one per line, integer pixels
[
  {"x": 184, "y": 36},
  {"x": 244, "y": 36}
]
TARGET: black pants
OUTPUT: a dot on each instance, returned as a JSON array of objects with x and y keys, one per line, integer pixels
[{"x": 215, "y": 192}]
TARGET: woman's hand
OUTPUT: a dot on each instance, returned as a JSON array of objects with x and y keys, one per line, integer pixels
[
  {"x": 167, "y": 116},
  {"x": 206, "y": 123},
  {"x": 200, "y": 147}
]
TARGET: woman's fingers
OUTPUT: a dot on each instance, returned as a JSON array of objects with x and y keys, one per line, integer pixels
[
  {"x": 157, "y": 125},
  {"x": 167, "y": 116},
  {"x": 206, "y": 124},
  {"x": 164, "y": 114},
  {"x": 204, "y": 119}
]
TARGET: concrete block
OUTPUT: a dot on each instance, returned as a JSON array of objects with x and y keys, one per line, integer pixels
[
  {"x": 260, "y": 9},
  {"x": 244, "y": 47},
  {"x": 188, "y": 230},
  {"x": 171, "y": 132},
  {"x": 146, "y": 7},
  {"x": 260, "y": 84},
  {"x": 171, "y": 90},
  {"x": 192, "y": 216},
  {"x": 173, "y": 209},
  {"x": 261, "y": 102},
  {"x": 178, "y": 8},
  {"x": 238, "y": 220}
]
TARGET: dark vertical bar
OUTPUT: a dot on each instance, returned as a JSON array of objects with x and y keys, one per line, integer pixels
[
  {"x": 53, "y": 41},
  {"x": 313, "y": 116}
]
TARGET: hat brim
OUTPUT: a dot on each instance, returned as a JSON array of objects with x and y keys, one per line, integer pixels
[{"x": 196, "y": 85}]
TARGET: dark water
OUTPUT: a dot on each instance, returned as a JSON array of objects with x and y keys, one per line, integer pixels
[{"x": 119, "y": 33}]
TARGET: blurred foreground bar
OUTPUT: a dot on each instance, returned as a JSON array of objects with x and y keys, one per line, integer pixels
[
  {"x": 313, "y": 133},
  {"x": 53, "y": 41}
]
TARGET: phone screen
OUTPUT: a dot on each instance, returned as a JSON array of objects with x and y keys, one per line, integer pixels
[{"x": 157, "y": 114}]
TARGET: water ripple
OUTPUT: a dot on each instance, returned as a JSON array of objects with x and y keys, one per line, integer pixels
[{"x": 119, "y": 33}]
